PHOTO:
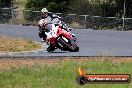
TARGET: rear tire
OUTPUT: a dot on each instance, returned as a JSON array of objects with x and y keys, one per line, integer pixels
[{"x": 51, "y": 48}]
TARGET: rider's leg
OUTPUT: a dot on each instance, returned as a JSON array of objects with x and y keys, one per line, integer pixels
[{"x": 42, "y": 36}]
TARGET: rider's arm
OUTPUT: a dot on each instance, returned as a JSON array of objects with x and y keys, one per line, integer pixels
[
  {"x": 42, "y": 24},
  {"x": 55, "y": 16}
]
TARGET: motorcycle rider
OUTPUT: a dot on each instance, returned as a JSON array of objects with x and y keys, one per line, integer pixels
[{"x": 47, "y": 17}]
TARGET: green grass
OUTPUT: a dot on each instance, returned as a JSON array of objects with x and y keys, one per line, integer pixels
[
  {"x": 9, "y": 44},
  {"x": 62, "y": 75}
]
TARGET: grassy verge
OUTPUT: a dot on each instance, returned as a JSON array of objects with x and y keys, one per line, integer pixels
[
  {"x": 16, "y": 44},
  {"x": 60, "y": 73}
]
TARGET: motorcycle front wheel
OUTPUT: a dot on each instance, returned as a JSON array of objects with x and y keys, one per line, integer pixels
[{"x": 67, "y": 44}]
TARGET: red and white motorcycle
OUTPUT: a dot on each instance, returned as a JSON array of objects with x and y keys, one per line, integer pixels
[{"x": 57, "y": 37}]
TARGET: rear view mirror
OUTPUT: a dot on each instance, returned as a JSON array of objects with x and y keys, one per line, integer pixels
[{"x": 70, "y": 29}]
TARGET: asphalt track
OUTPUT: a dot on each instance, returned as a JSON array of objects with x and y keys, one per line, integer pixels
[{"x": 91, "y": 42}]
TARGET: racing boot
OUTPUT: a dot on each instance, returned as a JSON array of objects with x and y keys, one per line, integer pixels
[{"x": 42, "y": 40}]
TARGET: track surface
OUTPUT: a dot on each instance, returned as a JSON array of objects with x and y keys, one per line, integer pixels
[{"x": 91, "y": 42}]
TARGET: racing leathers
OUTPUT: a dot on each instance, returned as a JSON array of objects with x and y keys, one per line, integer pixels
[{"x": 51, "y": 18}]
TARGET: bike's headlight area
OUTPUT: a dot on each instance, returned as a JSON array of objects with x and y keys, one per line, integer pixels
[{"x": 65, "y": 39}]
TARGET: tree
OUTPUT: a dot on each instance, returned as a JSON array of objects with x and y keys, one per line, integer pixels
[
  {"x": 51, "y": 5},
  {"x": 5, "y": 3},
  {"x": 56, "y": 6},
  {"x": 109, "y": 8},
  {"x": 120, "y": 7},
  {"x": 91, "y": 7}
]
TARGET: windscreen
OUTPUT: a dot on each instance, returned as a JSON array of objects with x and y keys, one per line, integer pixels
[{"x": 48, "y": 27}]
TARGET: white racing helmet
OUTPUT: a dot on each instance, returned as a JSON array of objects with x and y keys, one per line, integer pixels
[{"x": 44, "y": 10}]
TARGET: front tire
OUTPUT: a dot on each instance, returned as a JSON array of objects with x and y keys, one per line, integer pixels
[{"x": 67, "y": 44}]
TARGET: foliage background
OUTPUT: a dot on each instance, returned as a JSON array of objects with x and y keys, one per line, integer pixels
[
  {"x": 97, "y": 12},
  {"x": 5, "y": 3},
  {"x": 51, "y": 5},
  {"x": 90, "y": 7}
]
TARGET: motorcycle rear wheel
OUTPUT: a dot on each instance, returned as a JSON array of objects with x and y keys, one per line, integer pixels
[{"x": 51, "y": 48}]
